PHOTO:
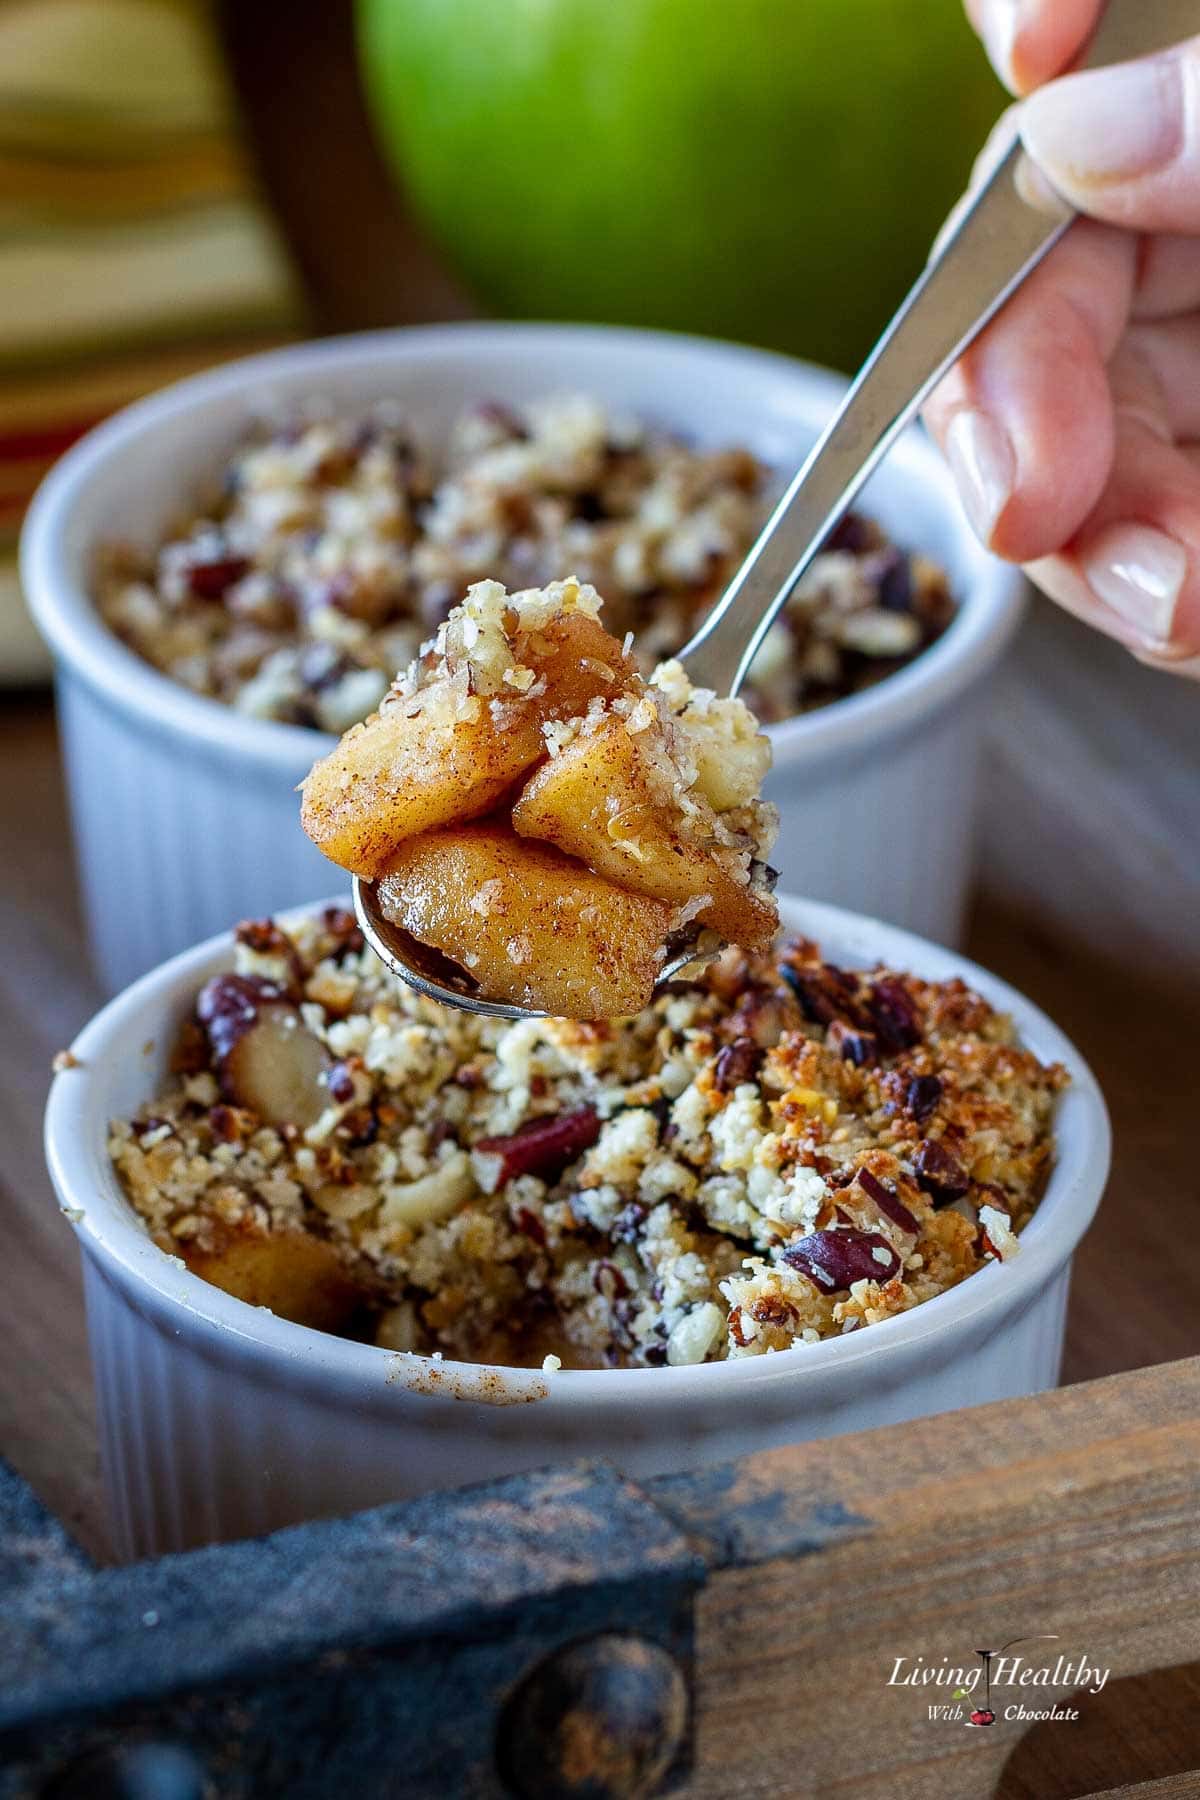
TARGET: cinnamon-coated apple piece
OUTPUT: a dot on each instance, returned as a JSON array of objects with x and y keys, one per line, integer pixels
[
  {"x": 574, "y": 661},
  {"x": 528, "y": 924},
  {"x": 405, "y": 772},
  {"x": 447, "y": 752},
  {"x": 298, "y": 1276},
  {"x": 602, "y": 799}
]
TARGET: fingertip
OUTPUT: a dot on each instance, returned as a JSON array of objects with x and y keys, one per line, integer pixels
[
  {"x": 1025, "y": 483},
  {"x": 997, "y": 24},
  {"x": 1133, "y": 569},
  {"x": 1171, "y": 663},
  {"x": 984, "y": 466},
  {"x": 1115, "y": 141},
  {"x": 1070, "y": 580},
  {"x": 1062, "y": 580},
  {"x": 1047, "y": 37},
  {"x": 1056, "y": 426},
  {"x": 1026, "y": 417},
  {"x": 1139, "y": 573},
  {"x": 1027, "y": 67}
]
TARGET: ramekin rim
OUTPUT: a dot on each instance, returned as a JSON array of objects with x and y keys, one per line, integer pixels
[
  {"x": 82, "y": 1174},
  {"x": 67, "y": 618}
]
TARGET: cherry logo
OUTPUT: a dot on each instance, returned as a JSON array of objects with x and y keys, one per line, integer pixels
[{"x": 983, "y": 1715}]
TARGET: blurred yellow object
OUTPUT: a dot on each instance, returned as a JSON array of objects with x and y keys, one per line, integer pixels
[{"x": 134, "y": 247}]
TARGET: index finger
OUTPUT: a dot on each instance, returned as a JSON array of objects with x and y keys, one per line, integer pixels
[{"x": 1032, "y": 41}]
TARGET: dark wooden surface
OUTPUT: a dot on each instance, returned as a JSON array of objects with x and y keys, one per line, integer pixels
[
  {"x": 399, "y": 1655},
  {"x": 46, "y": 991},
  {"x": 733, "y": 1631},
  {"x": 1074, "y": 1513}
]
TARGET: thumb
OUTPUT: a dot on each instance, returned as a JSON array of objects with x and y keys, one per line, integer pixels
[{"x": 1123, "y": 144}]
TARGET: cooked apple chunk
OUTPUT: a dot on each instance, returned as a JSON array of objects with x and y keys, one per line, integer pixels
[
  {"x": 523, "y": 713},
  {"x": 607, "y": 798},
  {"x": 526, "y": 923},
  {"x": 404, "y": 772},
  {"x": 461, "y": 726},
  {"x": 298, "y": 1276}
]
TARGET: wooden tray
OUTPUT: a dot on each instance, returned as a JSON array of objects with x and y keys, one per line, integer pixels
[{"x": 747, "y": 1630}]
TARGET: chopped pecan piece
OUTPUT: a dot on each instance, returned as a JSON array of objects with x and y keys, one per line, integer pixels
[
  {"x": 225, "y": 1122},
  {"x": 921, "y": 1096},
  {"x": 834, "y": 1260},
  {"x": 361, "y": 1127},
  {"x": 889, "y": 1204},
  {"x": 894, "y": 1015},
  {"x": 853, "y": 1046},
  {"x": 737, "y": 1063},
  {"x": 939, "y": 1172},
  {"x": 772, "y": 1309},
  {"x": 542, "y": 1147},
  {"x": 265, "y": 938}
]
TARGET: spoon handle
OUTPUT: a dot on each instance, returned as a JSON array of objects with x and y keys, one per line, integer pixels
[{"x": 989, "y": 246}]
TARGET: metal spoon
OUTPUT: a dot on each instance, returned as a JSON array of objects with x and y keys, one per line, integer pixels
[{"x": 990, "y": 245}]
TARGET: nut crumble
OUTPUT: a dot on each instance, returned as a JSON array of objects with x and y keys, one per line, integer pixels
[
  {"x": 334, "y": 545},
  {"x": 778, "y": 1153}
]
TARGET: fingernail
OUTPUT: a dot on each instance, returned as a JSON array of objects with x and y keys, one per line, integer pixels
[
  {"x": 1107, "y": 124},
  {"x": 984, "y": 467},
  {"x": 1138, "y": 573},
  {"x": 999, "y": 30}
]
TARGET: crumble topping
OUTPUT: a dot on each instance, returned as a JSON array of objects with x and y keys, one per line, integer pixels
[
  {"x": 776, "y": 1153},
  {"x": 334, "y": 545}
]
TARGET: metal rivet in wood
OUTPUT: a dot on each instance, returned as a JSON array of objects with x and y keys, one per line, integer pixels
[
  {"x": 140, "y": 1771},
  {"x": 599, "y": 1720}
]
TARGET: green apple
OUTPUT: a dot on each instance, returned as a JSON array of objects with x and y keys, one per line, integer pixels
[{"x": 764, "y": 169}]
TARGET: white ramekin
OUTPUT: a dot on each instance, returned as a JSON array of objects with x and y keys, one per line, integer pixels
[
  {"x": 184, "y": 811},
  {"x": 219, "y": 1420}
]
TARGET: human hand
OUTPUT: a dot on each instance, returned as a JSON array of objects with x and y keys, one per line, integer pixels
[{"x": 1072, "y": 424}]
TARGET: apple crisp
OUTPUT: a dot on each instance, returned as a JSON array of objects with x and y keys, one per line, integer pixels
[
  {"x": 533, "y": 809},
  {"x": 779, "y": 1152},
  {"x": 331, "y": 546}
]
